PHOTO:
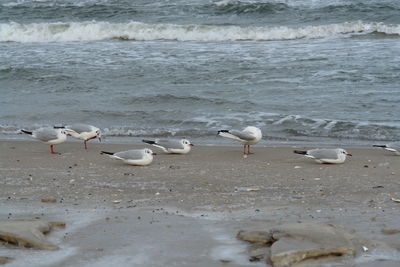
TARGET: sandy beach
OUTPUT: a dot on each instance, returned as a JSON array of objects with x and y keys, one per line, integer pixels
[{"x": 185, "y": 210}]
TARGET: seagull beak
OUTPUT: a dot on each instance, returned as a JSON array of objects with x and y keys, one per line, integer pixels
[
  {"x": 154, "y": 153},
  {"x": 191, "y": 145},
  {"x": 348, "y": 154}
]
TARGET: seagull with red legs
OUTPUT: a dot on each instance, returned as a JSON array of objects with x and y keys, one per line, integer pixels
[
  {"x": 49, "y": 136},
  {"x": 83, "y": 132},
  {"x": 248, "y": 136}
]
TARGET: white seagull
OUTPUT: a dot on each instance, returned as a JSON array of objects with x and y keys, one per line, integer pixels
[
  {"x": 182, "y": 146},
  {"x": 249, "y": 136},
  {"x": 392, "y": 147},
  {"x": 49, "y": 136},
  {"x": 82, "y": 131},
  {"x": 325, "y": 155},
  {"x": 140, "y": 157}
]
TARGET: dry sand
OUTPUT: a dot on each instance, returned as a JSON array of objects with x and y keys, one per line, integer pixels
[{"x": 185, "y": 210}]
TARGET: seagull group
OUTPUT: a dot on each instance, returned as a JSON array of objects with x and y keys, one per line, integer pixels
[
  {"x": 58, "y": 134},
  {"x": 248, "y": 136}
]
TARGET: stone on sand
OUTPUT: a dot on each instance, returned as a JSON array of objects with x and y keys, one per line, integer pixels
[
  {"x": 27, "y": 233},
  {"x": 296, "y": 243},
  {"x": 4, "y": 260}
]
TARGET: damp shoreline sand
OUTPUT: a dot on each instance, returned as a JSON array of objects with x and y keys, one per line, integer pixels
[{"x": 185, "y": 210}]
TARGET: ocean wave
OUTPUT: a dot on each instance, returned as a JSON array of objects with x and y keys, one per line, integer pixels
[
  {"x": 192, "y": 100},
  {"x": 296, "y": 125},
  {"x": 239, "y": 7},
  {"x": 274, "y": 126},
  {"x": 97, "y": 31}
]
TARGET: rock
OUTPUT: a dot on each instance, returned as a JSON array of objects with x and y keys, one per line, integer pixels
[
  {"x": 49, "y": 200},
  {"x": 260, "y": 237},
  {"x": 4, "y": 260},
  {"x": 27, "y": 233},
  {"x": 390, "y": 231},
  {"x": 301, "y": 243}
]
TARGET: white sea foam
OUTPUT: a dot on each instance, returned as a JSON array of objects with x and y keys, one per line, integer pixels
[{"x": 95, "y": 31}]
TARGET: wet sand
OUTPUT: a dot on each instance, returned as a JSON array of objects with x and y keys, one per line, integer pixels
[{"x": 185, "y": 210}]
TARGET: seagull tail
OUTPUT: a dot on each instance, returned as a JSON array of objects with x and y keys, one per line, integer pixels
[
  {"x": 26, "y": 132},
  {"x": 301, "y": 152},
  {"x": 227, "y": 134},
  {"x": 107, "y": 153},
  {"x": 383, "y": 146},
  {"x": 150, "y": 142}
]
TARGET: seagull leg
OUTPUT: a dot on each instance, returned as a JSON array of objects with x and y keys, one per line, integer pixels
[
  {"x": 244, "y": 149},
  {"x": 52, "y": 150},
  {"x": 248, "y": 150},
  {"x": 85, "y": 144}
]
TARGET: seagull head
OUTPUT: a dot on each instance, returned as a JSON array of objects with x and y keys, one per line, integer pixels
[
  {"x": 149, "y": 151},
  {"x": 345, "y": 152},
  {"x": 186, "y": 142}
]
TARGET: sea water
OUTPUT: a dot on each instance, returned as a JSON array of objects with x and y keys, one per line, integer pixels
[{"x": 310, "y": 71}]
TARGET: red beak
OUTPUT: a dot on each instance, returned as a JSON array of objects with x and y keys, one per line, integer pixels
[{"x": 348, "y": 154}]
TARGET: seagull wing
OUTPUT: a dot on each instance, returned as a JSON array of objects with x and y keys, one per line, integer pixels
[
  {"x": 130, "y": 154},
  {"x": 46, "y": 135},
  {"x": 170, "y": 144},
  {"x": 80, "y": 128},
  {"x": 323, "y": 153}
]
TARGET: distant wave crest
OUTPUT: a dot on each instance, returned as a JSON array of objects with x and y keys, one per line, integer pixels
[{"x": 96, "y": 31}]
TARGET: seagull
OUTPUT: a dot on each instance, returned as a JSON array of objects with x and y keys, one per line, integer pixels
[
  {"x": 249, "y": 136},
  {"x": 182, "y": 146},
  {"x": 82, "y": 131},
  {"x": 325, "y": 155},
  {"x": 49, "y": 136},
  {"x": 392, "y": 147},
  {"x": 140, "y": 157}
]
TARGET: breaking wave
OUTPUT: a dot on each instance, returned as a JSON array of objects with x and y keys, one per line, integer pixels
[{"x": 97, "y": 31}]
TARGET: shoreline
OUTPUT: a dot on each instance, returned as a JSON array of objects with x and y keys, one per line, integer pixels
[
  {"x": 114, "y": 211},
  {"x": 311, "y": 142}
]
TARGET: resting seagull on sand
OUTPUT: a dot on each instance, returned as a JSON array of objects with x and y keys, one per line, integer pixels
[
  {"x": 325, "y": 155},
  {"x": 49, "y": 136},
  {"x": 392, "y": 147},
  {"x": 82, "y": 131},
  {"x": 140, "y": 157},
  {"x": 182, "y": 146},
  {"x": 249, "y": 136}
]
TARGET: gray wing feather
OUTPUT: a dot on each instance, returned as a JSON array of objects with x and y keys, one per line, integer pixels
[
  {"x": 80, "y": 128},
  {"x": 130, "y": 154},
  {"x": 323, "y": 153},
  {"x": 46, "y": 134},
  {"x": 244, "y": 135},
  {"x": 174, "y": 144}
]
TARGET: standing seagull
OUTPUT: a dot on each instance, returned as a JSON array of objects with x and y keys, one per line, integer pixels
[
  {"x": 182, "y": 146},
  {"x": 82, "y": 131},
  {"x": 325, "y": 155},
  {"x": 49, "y": 136},
  {"x": 249, "y": 136},
  {"x": 392, "y": 147},
  {"x": 139, "y": 157}
]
